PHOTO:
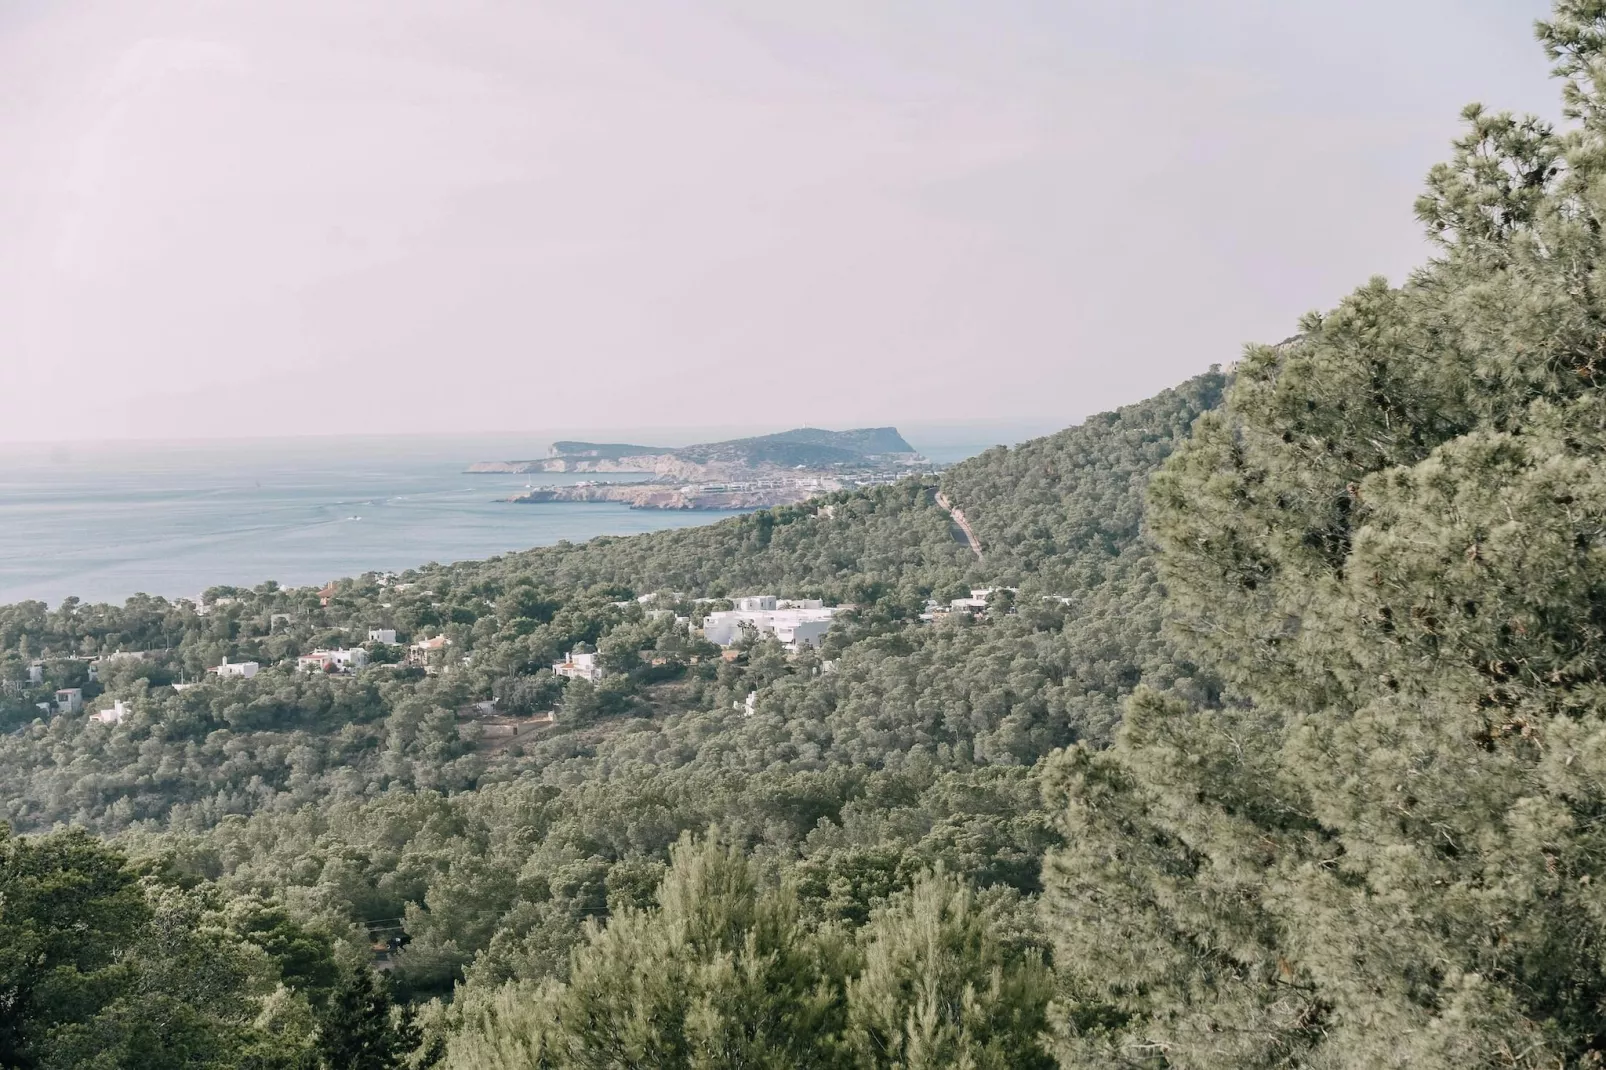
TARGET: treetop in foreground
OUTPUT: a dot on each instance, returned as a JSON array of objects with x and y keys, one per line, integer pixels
[{"x": 1384, "y": 848}]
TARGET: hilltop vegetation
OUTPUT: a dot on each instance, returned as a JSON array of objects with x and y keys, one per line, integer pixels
[{"x": 807, "y": 448}]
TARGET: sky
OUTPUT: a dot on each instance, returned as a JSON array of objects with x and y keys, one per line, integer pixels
[{"x": 291, "y": 217}]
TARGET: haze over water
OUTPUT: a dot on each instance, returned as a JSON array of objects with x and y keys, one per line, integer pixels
[{"x": 103, "y": 522}]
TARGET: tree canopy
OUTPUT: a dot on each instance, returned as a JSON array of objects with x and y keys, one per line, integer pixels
[{"x": 1382, "y": 848}]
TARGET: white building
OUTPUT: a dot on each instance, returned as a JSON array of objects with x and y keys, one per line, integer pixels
[
  {"x": 979, "y": 597},
  {"x": 382, "y": 635},
  {"x": 341, "y": 660},
  {"x": 114, "y": 715},
  {"x": 36, "y": 674},
  {"x": 243, "y": 669},
  {"x": 976, "y": 603},
  {"x": 70, "y": 700},
  {"x": 578, "y": 666},
  {"x": 424, "y": 648},
  {"x": 794, "y": 628}
]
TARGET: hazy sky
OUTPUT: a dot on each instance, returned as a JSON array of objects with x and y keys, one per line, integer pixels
[{"x": 298, "y": 216}]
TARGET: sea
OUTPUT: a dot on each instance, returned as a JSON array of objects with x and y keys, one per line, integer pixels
[{"x": 104, "y": 521}]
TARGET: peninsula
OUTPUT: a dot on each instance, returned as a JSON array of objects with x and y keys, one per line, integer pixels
[
  {"x": 744, "y": 473},
  {"x": 807, "y": 448}
]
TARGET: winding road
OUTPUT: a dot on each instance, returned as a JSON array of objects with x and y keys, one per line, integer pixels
[{"x": 958, "y": 517}]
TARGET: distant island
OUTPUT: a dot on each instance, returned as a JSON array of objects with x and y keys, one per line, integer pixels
[
  {"x": 743, "y": 473},
  {"x": 767, "y": 455}
]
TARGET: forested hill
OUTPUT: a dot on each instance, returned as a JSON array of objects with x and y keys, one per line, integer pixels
[
  {"x": 1055, "y": 509},
  {"x": 1060, "y": 517},
  {"x": 1052, "y": 511},
  {"x": 806, "y": 446},
  {"x": 362, "y": 799},
  {"x": 810, "y": 448},
  {"x": 1345, "y": 812}
]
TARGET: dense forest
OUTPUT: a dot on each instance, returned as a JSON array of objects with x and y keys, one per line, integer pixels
[{"x": 1280, "y": 741}]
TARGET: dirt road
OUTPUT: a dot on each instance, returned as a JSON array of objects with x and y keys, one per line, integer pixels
[{"x": 958, "y": 517}]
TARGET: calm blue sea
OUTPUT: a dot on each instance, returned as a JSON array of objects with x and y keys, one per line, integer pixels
[{"x": 103, "y": 522}]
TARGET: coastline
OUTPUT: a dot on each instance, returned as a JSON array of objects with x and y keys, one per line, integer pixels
[{"x": 711, "y": 497}]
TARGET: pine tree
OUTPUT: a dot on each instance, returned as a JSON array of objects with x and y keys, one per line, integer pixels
[
  {"x": 362, "y": 1030},
  {"x": 939, "y": 989},
  {"x": 1384, "y": 849},
  {"x": 721, "y": 973}
]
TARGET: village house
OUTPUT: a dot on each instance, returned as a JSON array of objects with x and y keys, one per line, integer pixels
[
  {"x": 795, "y": 624},
  {"x": 114, "y": 715},
  {"x": 105, "y": 660},
  {"x": 975, "y": 606},
  {"x": 242, "y": 669},
  {"x": 382, "y": 635},
  {"x": 332, "y": 661},
  {"x": 421, "y": 653},
  {"x": 976, "y": 603},
  {"x": 579, "y": 666},
  {"x": 70, "y": 700}
]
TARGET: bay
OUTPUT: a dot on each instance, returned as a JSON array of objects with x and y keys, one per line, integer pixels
[{"x": 104, "y": 522}]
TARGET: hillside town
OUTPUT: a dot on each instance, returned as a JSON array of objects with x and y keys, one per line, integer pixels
[
  {"x": 726, "y": 625},
  {"x": 751, "y": 473}
]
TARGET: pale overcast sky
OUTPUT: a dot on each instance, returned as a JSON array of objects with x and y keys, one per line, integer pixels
[{"x": 387, "y": 216}]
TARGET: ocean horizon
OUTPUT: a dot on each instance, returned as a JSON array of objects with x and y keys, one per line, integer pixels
[{"x": 105, "y": 521}]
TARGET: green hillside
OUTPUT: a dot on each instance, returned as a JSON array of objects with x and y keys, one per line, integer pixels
[
  {"x": 1278, "y": 742},
  {"x": 886, "y": 550},
  {"x": 354, "y": 800}
]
